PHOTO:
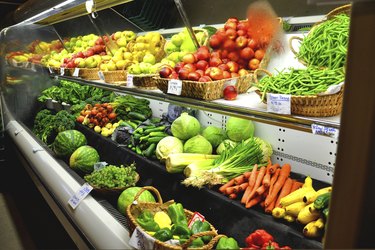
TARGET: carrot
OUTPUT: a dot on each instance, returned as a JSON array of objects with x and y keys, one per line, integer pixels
[
  {"x": 267, "y": 176},
  {"x": 230, "y": 190},
  {"x": 233, "y": 196},
  {"x": 252, "y": 179},
  {"x": 268, "y": 209},
  {"x": 260, "y": 190},
  {"x": 273, "y": 168},
  {"x": 242, "y": 178},
  {"x": 284, "y": 191},
  {"x": 253, "y": 201},
  {"x": 236, "y": 189},
  {"x": 296, "y": 185},
  {"x": 258, "y": 181},
  {"x": 228, "y": 184},
  {"x": 273, "y": 180},
  {"x": 262, "y": 203},
  {"x": 284, "y": 174}
]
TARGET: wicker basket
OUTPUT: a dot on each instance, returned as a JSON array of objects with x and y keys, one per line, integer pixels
[
  {"x": 135, "y": 209},
  {"x": 145, "y": 81},
  {"x": 115, "y": 76},
  {"x": 207, "y": 90},
  {"x": 89, "y": 74},
  {"x": 314, "y": 105}
]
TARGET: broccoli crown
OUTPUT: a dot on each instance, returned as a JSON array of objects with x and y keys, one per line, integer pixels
[{"x": 64, "y": 121}]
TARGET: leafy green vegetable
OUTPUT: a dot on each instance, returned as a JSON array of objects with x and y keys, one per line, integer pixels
[
  {"x": 214, "y": 135},
  {"x": 127, "y": 103},
  {"x": 239, "y": 129},
  {"x": 168, "y": 145},
  {"x": 198, "y": 144},
  {"x": 185, "y": 127}
]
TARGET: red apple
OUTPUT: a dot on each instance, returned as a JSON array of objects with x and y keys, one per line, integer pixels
[
  {"x": 204, "y": 48},
  {"x": 224, "y": 67},
  {"x": 241, "y": 42},
  {"x": 229, "y": 45},
  {"x": 165, "y": 72},
  {"x": 234, "y": 75},
  {"x": 88, "y": 53},
  {"x": 80, "y": 54},
  {"x": 252, "y": 44},
  {"x": 216, "y": 53},
  {"x": 205, "y": 79},
  {"x": 253, "y": 64},
  {"x": 242, "y": 63},
  {"x": 216, "y": 73},
  {"x": 202, "y": 64},
  {"x": 230, "y": 25},
  {"x": 243, "y": 72},
  {"x": 97, "y": 49},
  {"x": 233, "y": 19},
  {"x": 99, "y": 41},
  {"x": 202, "y": 54},
  {"x": 200, "y": 72},
  {"x": 70, "y": 65},
  {"x": 259, "y": 54},
  {"x": 233, "y": 66},
  {"x": 230, "y": 92},
  {"x": 65, "y": 60},
  {"x": 183, "y": 74},
  {"x": 215, "y": 41},
  {"x": 224, "y": 53},
  {"x": 231, "y": 33},
  {"x": 194, "y": 76},
  {"x": 243, "y": 26},
  {"x": 179, "y": 66},
  {"x": 233, "y": 56},
  {"x": 215, "y": 61},
  {"x": 189, "y": 58},
  {"x": 207, "y": 71},
  {"x": 225, "y": 60},
  {"x": 241, "y": 33},
  {"x": 247, "y": 53},
  {"x": 226, "y": 75},
  {"x": 174, "y": 75},
  {"x": 190, "y": 67}
]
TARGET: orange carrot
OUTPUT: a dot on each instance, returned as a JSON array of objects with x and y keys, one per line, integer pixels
[
  {"x": 273, "y": 168},
  {"x": 268, "y": 209},
  {"x": 284, "y": 191},
  {"x": 242, "y": 178},
  {"x": 273, "y": 180},
  {"x": 224, "y": 187},
  {"x": 232, "y": 196},
  {"x": 252, "y": 179},
  {"x": 267, "y": 176},
  {"x": 230, "y": 190},
  {"x": 236, "y": 189},
  {"x": 243, "y": 186},
  {"x": 253, "y": 201},
  {"x": 262, "y": 203},
  {"x": 260, "y": 190},
  {"x": 296, "y": 185},
  {"x": 258, "y": 181},
  {"x": 284, "y": 174}
]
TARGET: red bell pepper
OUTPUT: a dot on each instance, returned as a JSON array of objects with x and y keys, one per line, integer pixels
[{"x": 258, "y": 238}]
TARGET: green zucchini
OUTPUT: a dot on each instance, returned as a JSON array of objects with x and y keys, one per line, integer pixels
[
  {"x": 160, "y": 128},
  {"x": 322, "y": 201},
  {"x": 137, "y": 116},
  {"x": 150, "y": 150},
  {"x": 155, "y": 139}
]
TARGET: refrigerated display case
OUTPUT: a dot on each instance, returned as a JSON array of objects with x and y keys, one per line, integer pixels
[{"x": 96, "y": 221}]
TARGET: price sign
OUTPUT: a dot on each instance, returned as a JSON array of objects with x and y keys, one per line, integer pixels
[
  {"x": 174, "y": 87},
  {"x": 76, "y": 72},
  {"x": 129, "y": 80},
  {"x": 62, "y": 71},
  {"x": 278, "y": 103},
  {"x": 323, "y": 130},
  {"x": 79, "y": 195},
  {"x": 101, "y": 75}
]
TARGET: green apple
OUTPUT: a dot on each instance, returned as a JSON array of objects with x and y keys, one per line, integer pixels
[
  {"x": 91, "y": 43},
  {"x": 91, "y": 62},
  {"x": 139, "y": 46},
  {"x": 177, "y": 40},
  {"x": 170, "y": 48},
  {"x": 129, "y": 35},
  {"x": 103, "y": 67},
  {"x": 168, "y": 62},
  {"x": 145, "y": 67},
  {"x": 79, "y": 43},
  {"x": 117, "y": 35},
  {"x": 149, "y": 58},
  {"x": 121, "y": 64},
  {"x": 84, "y": 44},
  {"x": 181, "y": 55},
  {"x": 140, "y": 39},
  {"x": 97, "y": 58},
  {"x": 73, "y": 40},
  {"x": 80, "y": 62},
  {"x": 188, "y": 46},
  {"x": 121, "y": 42},
  {"x": 174, "y": 56},
  {"x": 127, "y": 55},
  {"x": 134, "y": 69},
  {"x": 106, "y": 58},
  {"x": 111, "y": 66}
]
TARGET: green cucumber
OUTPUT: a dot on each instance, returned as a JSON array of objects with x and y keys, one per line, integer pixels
[
  {"x": 157, "y": 129},
  {"x": 155, "y": 139},
  {"x": 137, "y": 116},
  {"x": 157, "y": 134},
  {"x": 322, "y": 201},
  {"x": 150, "y": 150}
]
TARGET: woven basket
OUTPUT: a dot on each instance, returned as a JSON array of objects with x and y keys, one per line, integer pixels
[
  {"x": 146, "y": 81},
  {"x": 206, "y": 90},
  {"x": 136, "y": 208},
  {"x": 89, "y": 74},
  {"x": 115, "y": 76},
  {"x": 314, "y": 105}
]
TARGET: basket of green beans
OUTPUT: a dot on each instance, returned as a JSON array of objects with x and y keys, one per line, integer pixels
[
  {"x": 326, "y": 43},
  {"x": 305, "y": 87}
]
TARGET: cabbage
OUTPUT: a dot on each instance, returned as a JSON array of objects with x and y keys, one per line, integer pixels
[
  {"x": 185, "y": 127},
  {"x": 225, "y": 145},
  {"x": 199, "y": 145},
  {"x": 168, "y": 145},
  {"x": 127, "y": 197},
  {"x": 214, "y": 135},
  {"x": 265, "y": 147},
  {"x": 239, "y": 129}
]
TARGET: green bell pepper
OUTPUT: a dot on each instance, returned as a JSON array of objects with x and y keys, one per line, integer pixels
[
  {"x": 227, "y": 243},
  {"x": 181, "y": 230},
  {"x": 199, "y": 226},
  {"x": 198, "y": 242},
  {"x": 177, "y": 214},
  {"x": 163, "y": 234},
  {"x": 147, "y": 222}
]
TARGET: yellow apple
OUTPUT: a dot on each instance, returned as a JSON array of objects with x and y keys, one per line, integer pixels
[{"x": 121, "y": 64}]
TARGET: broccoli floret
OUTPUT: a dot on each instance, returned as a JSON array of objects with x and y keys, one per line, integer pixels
[{"x": 64, "y": 121}]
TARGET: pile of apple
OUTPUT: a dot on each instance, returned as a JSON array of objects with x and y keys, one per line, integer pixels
[
  {"x": 234, "y": 43},
  {"x": 203, "y": 66}
]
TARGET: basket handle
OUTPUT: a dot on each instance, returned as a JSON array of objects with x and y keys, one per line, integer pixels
[
  {"x": 291, "y": 43},
  {"x": 342, "y": 9},
  {"x": 197, "y": 235},
  {"x": 260, "y": 70},
  {"x": 153, "y": 190}
]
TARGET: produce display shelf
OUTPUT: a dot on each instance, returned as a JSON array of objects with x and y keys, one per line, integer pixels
[
  {"x": 228, "y": 216},
  {"x": 246, "y": 105}
]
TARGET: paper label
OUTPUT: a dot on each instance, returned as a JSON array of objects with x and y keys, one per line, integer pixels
[
  {"x": 141, "y": 240},
  {"x": 278, "y": 103},
  {"x": 174, "y": 87},
  {"x": 62, "y": 71},
  {"x": 196, "y": 216},
  {"x": 50, "y": 70},
  {"x": 101, "y": 75},
  {"x": 129, "y": 81},
  {"x": 79, "y": 195},
  {"x": 100, "y": 165},
  {"x": 229, "y": 82},
  {"x": 323, "y": 130},
  {"x": 76, "y": 72}
]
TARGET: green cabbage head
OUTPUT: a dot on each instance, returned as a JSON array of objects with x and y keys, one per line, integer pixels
[
  {"x": 185, "y": 127},
  {"x": 168, "y": 145},
  {"x": 214, "y": 135},
  {"x": 225, "y": 145},
  {"x": 199, "y": 145},
  {"x": 239, "y": 129}
]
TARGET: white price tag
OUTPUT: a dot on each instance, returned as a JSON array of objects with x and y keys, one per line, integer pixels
[
  {"x": 141, "y": 240},
  {"x": 50, "y": 70},
  {"x": 76, "y": 72},
  {"x": 129, "y": 80},
  {"x": 174, "y": 87},
  {"x": 278, "y": 103},
  {"x": 101, "y": 75},
  {"x": 322, "y": 130},
  {"x": 79, "y": 195},
  {"x": 62, "y": 71}
]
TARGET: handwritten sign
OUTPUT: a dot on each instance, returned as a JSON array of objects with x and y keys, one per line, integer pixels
[
  {"x": 83, "y": 191},
  {"x": 129, "y": 81},
  {"x": 101, "y": 75},
  {"x": 62, "y": 71},
  {"x": 323, "y": 130},
  {"x": 76, "y": 72},
  {"x": 174, "y": 87},
  {"x": 278, "y": 103}
]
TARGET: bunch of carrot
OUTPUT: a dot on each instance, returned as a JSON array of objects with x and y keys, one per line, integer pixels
[{"x": 264, "y": 186}]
